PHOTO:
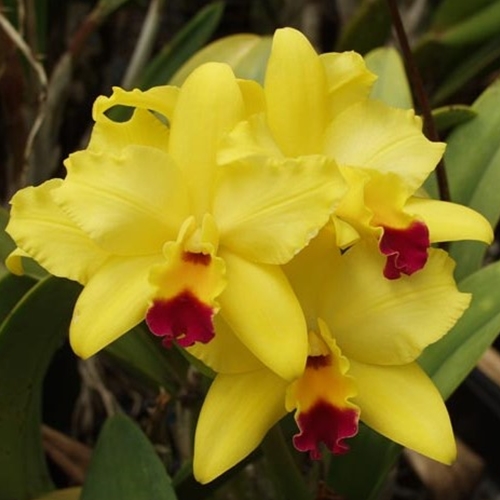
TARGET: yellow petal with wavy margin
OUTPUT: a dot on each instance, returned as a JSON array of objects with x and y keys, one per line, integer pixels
[
  {"x": 259, "y": 305},
  {"x": 236, "y": 414},
  {"x": 114, "y": 300},
  {"x": 269, "y": 211},
  {"x": 44, "y": 232},
  {"x": 131, "y": 203},
  {"x": 161, "y": 99},
  {"x": 370, "y": 134},
  {"x": 449, "y": 221},
  {"x": 209, "y": 106},
  {"x": 143, "y": 129},
  {"x": 296, "y": 94},
  {"x": 348, "y": 78},
  {"x": 225, "y": 353},
  {"x": 402, "y": 403},
  {"x": 388, "y": 322},
  {"x": 249, "y": 140}
]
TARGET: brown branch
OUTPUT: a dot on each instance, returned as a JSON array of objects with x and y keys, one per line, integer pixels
[{"x": 420, "y": 95}]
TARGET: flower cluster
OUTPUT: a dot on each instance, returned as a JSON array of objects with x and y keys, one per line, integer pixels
[{"x": 279, "y": 234}]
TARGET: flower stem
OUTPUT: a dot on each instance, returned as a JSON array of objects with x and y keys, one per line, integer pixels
[
  {"x": 420, "y": 95},
  {"x": 287, "y": 475}
]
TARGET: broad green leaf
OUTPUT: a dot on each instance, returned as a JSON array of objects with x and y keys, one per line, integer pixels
[
  {"x": 12, "y": 290},
  {"x": 451, "y": 359},
  {"x": 29, "y": 336},
  {"x": 142, "y": 354},
  {"x": 247, "y": 54},
  {"x": 190, "y": 39},
  {"x": 125, "y": 466},
  {"x": 473, "y": 164},
  {"x": 450, "y": 12},
  {"x": 481, "y": 25},
  {"x": 466, "y": 69},
  {"x": 448, "y": 117},
  {"x": 361, "y": 473},
  {"x": 368, "y": 28},
  {"x": 66, "y": 494},
  {"x": 392, "y": 85}
]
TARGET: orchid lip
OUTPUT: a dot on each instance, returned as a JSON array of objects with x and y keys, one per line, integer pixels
[{"x": 184, "y": 319}]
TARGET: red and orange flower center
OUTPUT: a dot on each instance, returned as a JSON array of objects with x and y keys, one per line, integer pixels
[
  {"x": 183, "y": 318},
  {"x": 324, "y": 413}
]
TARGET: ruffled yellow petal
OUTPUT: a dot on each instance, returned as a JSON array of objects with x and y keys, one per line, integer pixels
[
  {"x": 348, "y": 80},
  {"x": 130, "y": 204},
  {"x": 142, "y": 129},
  {"x": 225, "y": 353},
  {"x": 113, "y": 301},
  {"x": 261, "y": 308},
  {"x": 236, "y": 414},
  {"x": 372, "y": 135},
  {"x": 268, "y": 212},
  {"x": 249, "y": 140},
  {"x": 402, "y": 403},
  {"x": 161, "y": 99},
  {"x": 450, "y": 221},
  {"x": 388, "y": 322},
  {"x": 44, "y": 232},
  {"x": 209, "y": 106},
  {"x": 296, "y": 94}
]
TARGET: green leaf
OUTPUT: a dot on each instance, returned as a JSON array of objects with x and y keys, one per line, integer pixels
[
  {"x": 12, "y": 290},
  {"x": 360, "y": 474},
  {"x": 447, "y": 117},
  {"x": 144, "y": 356},
  {"x": 466, "y": 69},
  {"x": 450, "y": 12},
  {"x": 247, "y": 54},
  {"x": 368, "y": 28},
  {"x": 193, "y": 36},
  {"x": 29, "y": 337},
  {"x": 66, "y": 494},
  {"x": 392, "y": 85},
  {"x": 478, "y": 26},
  {"x": 473, "y": 164},
  {"x": 125, "y": 466},
  {"x": 451, "y": 359}
]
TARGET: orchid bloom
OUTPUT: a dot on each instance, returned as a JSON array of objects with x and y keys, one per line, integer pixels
[
  {"x": 154, "y": 228},
  {"x": 321, "y": 105},
  {"x": 365, "y": 334}
]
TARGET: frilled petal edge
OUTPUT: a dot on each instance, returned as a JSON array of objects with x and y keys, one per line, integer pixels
[
  {"x": 44, "y": 232},
  {"x": 268, "y": 211}
]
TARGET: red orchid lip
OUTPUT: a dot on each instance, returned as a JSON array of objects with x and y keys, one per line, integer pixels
[
  {"x": 406, "y": 249},
  {"x": 183, "y": 319}
]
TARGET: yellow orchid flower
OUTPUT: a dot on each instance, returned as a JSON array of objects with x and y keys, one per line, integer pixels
[
  {"x": 320, "y": 105},
  {"x": 365, "y": 334},
  {"x": 154, "y": 228}
]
